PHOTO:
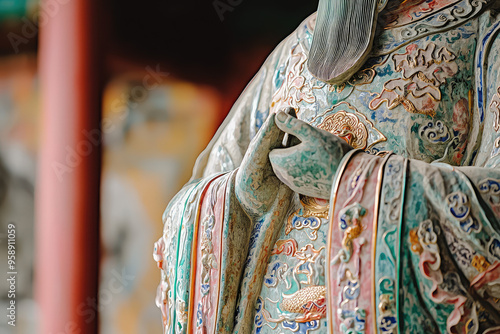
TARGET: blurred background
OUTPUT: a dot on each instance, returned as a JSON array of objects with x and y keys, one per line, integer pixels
[{"x": 144, "y": 86}]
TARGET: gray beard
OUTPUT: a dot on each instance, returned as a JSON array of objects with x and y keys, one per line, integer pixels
[{"x": 342, "y": 38}]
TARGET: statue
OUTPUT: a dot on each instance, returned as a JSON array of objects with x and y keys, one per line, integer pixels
[{"x": 376, "y": 209}]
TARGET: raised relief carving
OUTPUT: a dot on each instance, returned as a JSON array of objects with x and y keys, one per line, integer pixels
[
  {"x": 490, "y": 189},
  {"x": 294, "y": 88},
  {"x": 364, "y": 76},
  {"x": 351, "y": 126},
  {"x": 435, "y": 132},
  {"x": 495, "y": 108},
  {"x": 432, "y": 267},
  {"x": 460, "y": 208},
  {"x": 308, "y": 217},
  {"x": 411, "y": 11},
  {"x": 387, "y": 321},
  {"x": 461, "y": 10},
  {"x": 422, "y": 72},
  {"x": 309, "y": 301},
  {"x": 347, "y": 126}
]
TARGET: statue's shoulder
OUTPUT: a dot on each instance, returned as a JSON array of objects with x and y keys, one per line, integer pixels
[{"x": 304, "y": 32}]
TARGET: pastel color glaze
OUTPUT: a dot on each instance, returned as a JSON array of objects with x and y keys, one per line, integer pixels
[{"x": 408, "y": 241}]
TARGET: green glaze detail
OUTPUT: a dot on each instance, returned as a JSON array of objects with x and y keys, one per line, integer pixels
[{"x": 437, "y": 247}]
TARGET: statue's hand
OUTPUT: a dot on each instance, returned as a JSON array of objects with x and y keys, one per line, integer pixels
[
  {"x": 257, "y": 187},
  {"x": 309, "y": 167}
]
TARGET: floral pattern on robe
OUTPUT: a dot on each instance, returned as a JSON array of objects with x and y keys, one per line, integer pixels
[{"x": 410, "y": 239}]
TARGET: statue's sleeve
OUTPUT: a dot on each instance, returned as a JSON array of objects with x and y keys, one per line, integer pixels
[
  {"x": 415, "y": 247},
  {"x": 201, "y": 256},
  {"x": 206, "y": 234}
]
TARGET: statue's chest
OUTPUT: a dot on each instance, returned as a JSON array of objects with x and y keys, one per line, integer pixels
[{"x": 416, "y": 101}]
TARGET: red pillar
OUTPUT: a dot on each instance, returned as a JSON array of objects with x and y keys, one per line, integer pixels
[{"x": 67, "y": 192}]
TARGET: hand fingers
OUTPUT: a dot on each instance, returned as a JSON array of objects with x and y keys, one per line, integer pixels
[
  {"x": 286, "y": 169},
  {"x": 255, "y": 188},
  {"x": 289, "y": 153},
  {"x": 255, "y": 167},
  {"x": 294, "y": 126},
  {"x": 279, "y": 161},
  {"x": 268, "y": 138},
  {"x": 288, "y": 166},
  {"x": 284, "y": 161}
]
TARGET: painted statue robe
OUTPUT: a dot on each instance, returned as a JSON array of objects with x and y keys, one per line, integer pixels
[{"x": 410, "y": 239}]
